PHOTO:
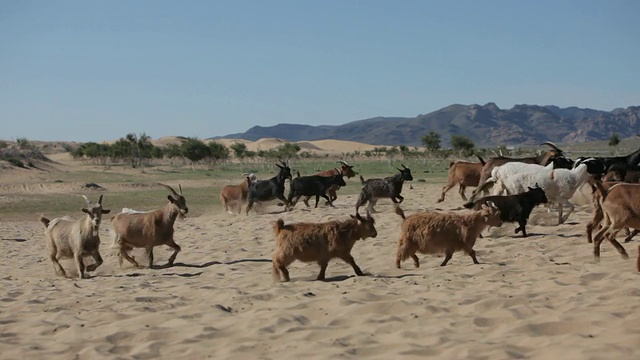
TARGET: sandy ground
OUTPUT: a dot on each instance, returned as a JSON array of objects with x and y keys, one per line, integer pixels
[{"x": 542, "y": 297}]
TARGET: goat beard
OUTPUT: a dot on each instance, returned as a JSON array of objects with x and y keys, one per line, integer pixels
[
  {"x": 95, "y": 230},
  {"x": 182, "y": 215}
]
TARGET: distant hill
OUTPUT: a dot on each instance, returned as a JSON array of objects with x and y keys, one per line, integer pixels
[{"x": 486, "y": 125}]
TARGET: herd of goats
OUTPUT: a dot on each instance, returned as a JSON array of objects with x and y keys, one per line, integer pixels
[{"x": 549, "y": 179}]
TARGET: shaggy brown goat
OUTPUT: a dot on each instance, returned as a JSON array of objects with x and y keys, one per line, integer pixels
[
  {"x": 319, "y": 242},
  {"x": 435, "y": 232}
]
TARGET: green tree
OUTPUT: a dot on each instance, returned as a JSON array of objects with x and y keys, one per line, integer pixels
[
  {"x": 463, "y": 144},
  {"x": 195, "y": 150},
  {"x": 288, "y": 150},
  {"x": 614, "y": 140},
  {"x": 239, "y": 150},
  {"x": 432, "y": 141},
  {"x": 218, "y": 152}
]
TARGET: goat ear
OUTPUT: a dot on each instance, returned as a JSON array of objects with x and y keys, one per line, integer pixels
[
  {"x": 106, "y": 211},
  {"x": 278, "y": 165},
  {"x": 171, "y": 199},
  {"x": 85, "y": 210}
]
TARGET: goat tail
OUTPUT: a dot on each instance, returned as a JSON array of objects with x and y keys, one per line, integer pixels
[
  {"x": 361, "y": 180},
  {"x": 278, "y": 226},
  {"x": 400, "y": 212},
  {"x": 469, "y": 204},
  {"x": 45, "y": 221},
  {"x": 451, "y": 164}
]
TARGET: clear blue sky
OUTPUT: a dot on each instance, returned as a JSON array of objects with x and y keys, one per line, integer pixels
[{"x": 97, "y": 70}]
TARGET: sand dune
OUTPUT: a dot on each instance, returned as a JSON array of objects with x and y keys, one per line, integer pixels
[{"x": 537, "y": 298}]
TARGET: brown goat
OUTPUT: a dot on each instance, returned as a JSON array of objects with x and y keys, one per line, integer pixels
[
  {"x": 542, "y": 159},
  {"x": 620, "y": 208},
  {"x": 150, "y": 229},
  {"x": 433, "y": 232},
  {"x": 319, "y": 242},
  {"x": 463, "y": 174},
  {"x": 236, "y": 195},
  {"x": 597, "y": 217}
]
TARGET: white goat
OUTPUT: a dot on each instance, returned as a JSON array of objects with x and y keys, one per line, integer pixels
[
  {"x": 559, "y": 185},
  {"x": 68, "y": 238},
  {"x": 149, "y": 229}
]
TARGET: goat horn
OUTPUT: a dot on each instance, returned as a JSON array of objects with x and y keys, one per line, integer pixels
[
  {"x": 245, "y": 174},
  {"x": 100, "y": 200},
  {"x": 180, "y": 188},
  {"x": 87, "y": 200},
  {"x": 552, "y": 145},
  {"x": 342, "y": 162},
  {"x": 169, "y": 188},
  {"x": 404, "y": 167}
]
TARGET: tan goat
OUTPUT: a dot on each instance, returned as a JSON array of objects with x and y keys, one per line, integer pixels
[
  {"x": 236, "y": 195},
  {"x": 68, "y": 238},
  {"x": 433, "y": 232},
  {"x": 597, "y": 217},
  {"x": 150, "y": 229},
  {"x": 319, "y": 242},
  {"x": 620, "y": 208},
  {"x": 463, "y": 174}
]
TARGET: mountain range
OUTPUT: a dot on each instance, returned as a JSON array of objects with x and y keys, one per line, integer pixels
[{"x": 485, "y": 125}]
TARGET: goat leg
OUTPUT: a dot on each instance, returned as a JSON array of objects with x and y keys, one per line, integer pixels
[
  {"x": 323, "y": 268},
  {"x": 97, "y": 258},
  {"x": 79, "y": 265},
  {"x": 631, "y": 235},
  {"x": 329, "y": 201},
  {"x": 351, "y": 261},
  {"x": 447, "y": 256},
  {"x": 150, "y": 256},
  {"x": 176, "y": 249},
  {"x": 56, "y": 265}
]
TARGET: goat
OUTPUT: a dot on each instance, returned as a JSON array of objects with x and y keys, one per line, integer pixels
[
  {"x": 463, "y": 174},
  {"x": 620, "y": 208},
  {"x": 514, "y": 208},
  {"x": 150, "y": 229},
  {"x": 313, "y": 185},
  {"x": 236, "y": 194},
  {"x": 448, "y": 232},
  {"x": 389, "y": 187},
  {"x": 601, "y": 165},
  {"x": 559, "y": 185},
  {"x": 597, "y": 211},
  {"x": 267, "y": 190},
  {"x": 68, "y": 238},
  {"x": 319, "y": 242},
  {"x": 345, "y": 169},
  {"x": 617, "y": 172},
  {"x": 541, "y": 159}
]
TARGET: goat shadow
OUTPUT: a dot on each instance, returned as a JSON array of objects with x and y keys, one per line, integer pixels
[
  {"x": 208, "y": 264},
  {"x": 15, "y": 239}
]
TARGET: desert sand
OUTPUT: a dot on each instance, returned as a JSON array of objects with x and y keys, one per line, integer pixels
[{"x": 543, "y": 297}]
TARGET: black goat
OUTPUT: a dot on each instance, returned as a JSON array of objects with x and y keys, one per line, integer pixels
[
  {"x": 313, "y": 185},
  {"x": 389, "y": 187},
  {"x": 514, "y": 208},
  {"x": 266, "y": 190},
  {"x": 601, "y": 165}
]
